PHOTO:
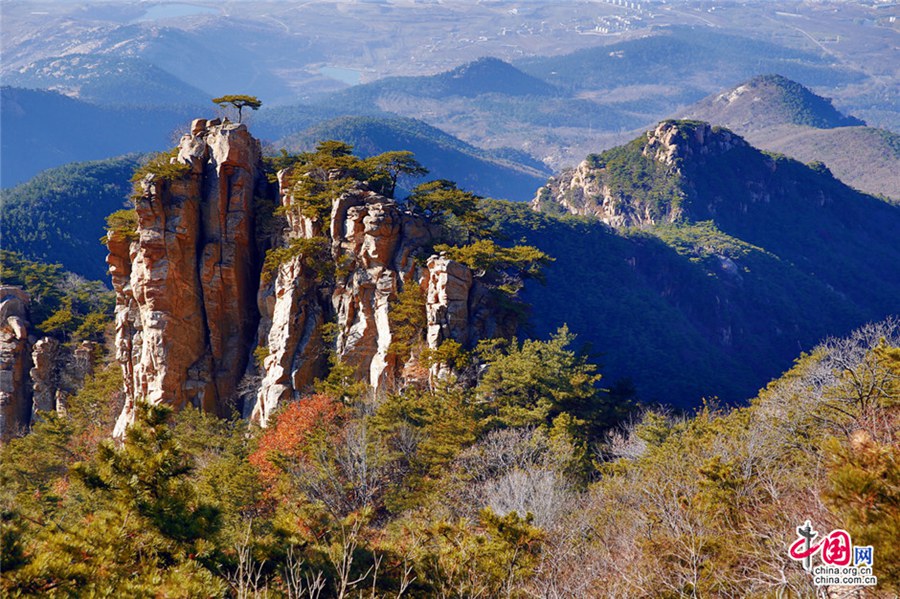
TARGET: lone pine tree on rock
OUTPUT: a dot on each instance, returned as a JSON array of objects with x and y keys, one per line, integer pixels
[{"x": 239, "y": 101}]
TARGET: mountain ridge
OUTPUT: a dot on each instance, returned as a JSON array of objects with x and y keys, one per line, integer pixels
[
  {"x": 784, "y": 116},
  {"x": 87, "y": 77},
  {"x": 739, "y": 223},
  {"x": 448, "y": 157}
]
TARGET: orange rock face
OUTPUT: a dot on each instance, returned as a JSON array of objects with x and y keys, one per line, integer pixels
[
  {"x": 198, "y": 323},
  {"x": 186, "y": 287}
]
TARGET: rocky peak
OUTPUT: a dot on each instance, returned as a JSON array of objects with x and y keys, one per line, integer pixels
[
  {"x": 642, "y": 183},
  {"x": 186, "y": 280},
  {"x": 672, "y": 142},
  {"x": 201, "y": 321}
]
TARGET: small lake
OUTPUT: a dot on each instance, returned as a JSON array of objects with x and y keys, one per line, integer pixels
[
  {"x": 348, "y": 76},
  {"x": 174, "y": 11}
]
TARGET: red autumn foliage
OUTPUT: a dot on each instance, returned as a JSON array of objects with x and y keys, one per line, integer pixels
[{"x": 290, "y": 437}]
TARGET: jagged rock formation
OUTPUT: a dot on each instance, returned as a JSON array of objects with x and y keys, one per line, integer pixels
[
  {"x": 57, "y": 372},
  {"x": 591, "y": 189},
  {"x": 198, "y": 321},
  {"x": 15, "y": 358},
  {"x": 44, "y": 375},
  {"x": 186, "y": 286},
  {"x": 35, "y": 374},
  {"x": 373, "y": 244},
  {"x": 447, "y": 301},
  {"x": 674, "y": 141}
]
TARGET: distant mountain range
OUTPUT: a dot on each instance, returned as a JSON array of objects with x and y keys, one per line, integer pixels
[
  {"x": 778, "y": 114},
  {"x": 554, "y": 108},
  {"x": 692, "y": 56},
  {"x": 510, "y": 175},
  {"x": 557, "y": 106},
  {"x": 109, "y": 80},
  {"x": 43, "y": 129}
]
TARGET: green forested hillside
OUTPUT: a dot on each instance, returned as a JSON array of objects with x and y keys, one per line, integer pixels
[
  {"x": 59, "y": 215},
  {"x": 460, "y": 493},
  {"x": 765, "y": 257},
  {"x": 681, "y": 313}
]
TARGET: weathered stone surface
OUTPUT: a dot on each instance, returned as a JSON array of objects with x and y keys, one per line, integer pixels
[
  {"x": 373, "y": 245},
  {"x": 447, "y": 301},
  {"x": 291, "y": 330},
  {"x": 583, "y": 190},
  {"x": 186, "y": 287},
  {"x": 44, "y": 375},
  {"x": 58, "y": 372},
  {"x": 366, "y": 231},
  {"x": 447, "y": 307},
  {"x": 15, "y": 361},
  {"x": 671, "y": 141}
]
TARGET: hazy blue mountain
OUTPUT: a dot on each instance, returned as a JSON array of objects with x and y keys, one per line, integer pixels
[
  {"x": 483, "y": 76},
  {"x": 199, "y": 57},
  {"x": 687, "y": 56},
  {"x": 42, "y": 129},
  {"x": 504, "y": 175},
  {"x": 106, "y": 79}
]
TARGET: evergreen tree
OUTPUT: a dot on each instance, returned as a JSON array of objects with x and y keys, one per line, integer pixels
[
  {"x": 238, "y": 101},
  {"x": 531, "y": 383}
]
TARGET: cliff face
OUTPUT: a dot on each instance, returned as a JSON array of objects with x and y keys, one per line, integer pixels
[
  {"x": 35, "y": 374},
  {"x": 198, "y": 321},
  {"x": 15, "y": 361},
  {"x": 657, "y": 195},
  {"x": 373, "y": 245},
  {"x": 186, "y": 286},
  {"x": 57, "y": 372}
]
